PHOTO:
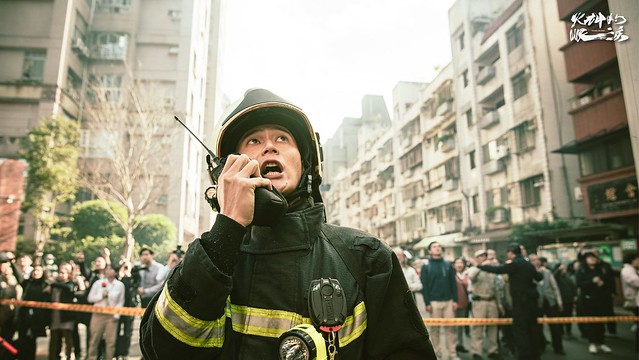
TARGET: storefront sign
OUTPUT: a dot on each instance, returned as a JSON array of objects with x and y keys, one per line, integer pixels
[{"x": 613, "y": 196}]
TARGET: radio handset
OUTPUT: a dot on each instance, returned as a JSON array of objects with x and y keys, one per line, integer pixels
[{"x": 270, "y": 205}]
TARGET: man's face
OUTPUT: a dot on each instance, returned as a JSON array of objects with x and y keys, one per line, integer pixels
[
  {"x": 146, "y": 258},
  {"x": 490, "y": 253},
  {"x": 435, "y": 249},
  {"x": 481, "y": 258},
  {"x": 276, "y": 151},
  {"x": 535, "y": 260},
  {"x": 109, "y": 273}
]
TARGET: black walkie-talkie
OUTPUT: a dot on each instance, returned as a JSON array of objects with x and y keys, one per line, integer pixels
[{"x": 270, "y": 205}]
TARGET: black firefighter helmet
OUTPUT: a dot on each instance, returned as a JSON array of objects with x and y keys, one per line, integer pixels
[{"x": 260, "y": 106}]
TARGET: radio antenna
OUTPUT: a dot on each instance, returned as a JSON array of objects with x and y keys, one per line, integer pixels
[{"x": 195, "y": 136}]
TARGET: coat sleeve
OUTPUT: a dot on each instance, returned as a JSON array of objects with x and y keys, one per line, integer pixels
[
  {"x": 187, "y": 318},
  {"x": 398, "y": 333}
]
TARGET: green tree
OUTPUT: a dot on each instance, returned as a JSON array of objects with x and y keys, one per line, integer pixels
[
  {"x": 51, "y": 151},
  {"x": 94, "y": 218},
  {"x": 155, "y": 229}
]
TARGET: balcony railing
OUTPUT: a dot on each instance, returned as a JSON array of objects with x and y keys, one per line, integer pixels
[
  {"x": 493, "y": 167},
  {"x": 489, "y": 120},
  {"x": 450, "y": 185},
  {"x": 485, "y": 74},
  {"x": 448, "y": 145}
]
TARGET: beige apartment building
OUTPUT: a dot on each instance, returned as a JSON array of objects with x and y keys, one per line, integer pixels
[
  {"x": 53, "y": 50},
  {"x": 472, "y": 151}
]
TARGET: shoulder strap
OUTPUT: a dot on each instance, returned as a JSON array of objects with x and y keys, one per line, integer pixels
[{"x": 345, "y": 254}]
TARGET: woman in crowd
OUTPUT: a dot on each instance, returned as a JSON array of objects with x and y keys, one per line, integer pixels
[
  {"x": 33, "y": 321},
  {"x": 594, "y": 294}
]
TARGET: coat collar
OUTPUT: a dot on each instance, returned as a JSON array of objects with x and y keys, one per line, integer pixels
[{"x": 295, "y": 231}]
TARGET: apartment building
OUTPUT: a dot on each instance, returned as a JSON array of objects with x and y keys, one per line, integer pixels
[
  {"x": 54, "y": 50},
  {"x": 600, "y": 115},
  {"x": 473, "y": 149}
]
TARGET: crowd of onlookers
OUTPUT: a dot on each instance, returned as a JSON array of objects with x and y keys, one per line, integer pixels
[
  {"x": 458, "y": 288},
  {"x": 99, "y": 282},
  {"x": 455, "y": 289}
]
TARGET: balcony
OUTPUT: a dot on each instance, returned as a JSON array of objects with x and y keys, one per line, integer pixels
[
  {"x": 20, "y": 93},
  {"x": 450, "y": 185},
  {"x": 448, "y": 144},
  {"x": 485, "y": 74},
  {"x": 109, "y": 52},
  {"x": 584, "y": 58},
  {"x": 450, "y": 226},
  {"x": 568, "y": 7},
  {"x": 599, "y": 115},
  {"x": 445, "y": 108},
  {"x": 501, "y": 152},
  {"x": 493, "y": 167},
  {"x": 79, "y": 47},
  {"x": 489, "y": 120}
]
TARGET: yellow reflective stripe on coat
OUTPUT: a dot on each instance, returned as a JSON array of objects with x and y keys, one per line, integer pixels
[
  {"x": 186, "y": 328},
  {"x": 273, "y": 323}
]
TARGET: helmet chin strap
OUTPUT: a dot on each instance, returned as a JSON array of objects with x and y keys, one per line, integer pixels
[{"x": 304, "y": 188}]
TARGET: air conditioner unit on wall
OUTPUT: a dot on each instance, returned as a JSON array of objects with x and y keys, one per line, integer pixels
[{"x": 579, "y": 196}]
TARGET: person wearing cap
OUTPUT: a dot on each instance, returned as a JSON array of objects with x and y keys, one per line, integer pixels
[
  {"x": 594, "y": 294},
  {"x": 485, "y": 299},
  {"x": 522, "y": 276},
  {"x": 242, "y": 285}
]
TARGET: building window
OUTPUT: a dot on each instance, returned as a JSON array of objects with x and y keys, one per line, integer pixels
[
  {"x": 490, "y": 199},
  {"x": 411, "y": 159},
  {"x": 469, "y": 118},
  {"x": 612, "y": 154},
  {"x": 520, "y": 85},
  {"x": 109, "y": 86},
  {"x": 471, "y": 157},
  {"x": 475, "y": 200},
  {"x": 113, "y": 6},
  {"x": 514, "y": 37},
  {"x": 436, "y": 177},
  {"x": 464, "y": 77},
  {"x": 452, "y": 168},
  {"x": 531, "y": 191},
  {"x": 525, "y": 137},
  {"x": 461, "y": 41},
  {"x": 33, "y": 65}
]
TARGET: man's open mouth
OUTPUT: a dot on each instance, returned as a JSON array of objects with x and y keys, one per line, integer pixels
[{"x": 271, "y": 168}]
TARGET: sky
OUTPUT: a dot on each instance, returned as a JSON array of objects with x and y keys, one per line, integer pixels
[{"x": 325, "y": 55}]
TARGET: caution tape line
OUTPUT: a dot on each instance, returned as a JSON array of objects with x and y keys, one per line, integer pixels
[
  {"x": 130, "y": 311},
  {"x": 541, "y": 320}
]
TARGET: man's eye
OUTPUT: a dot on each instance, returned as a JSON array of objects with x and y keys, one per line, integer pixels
[
  {"x": 282, "y": 138},
  {"x": 253, "y": 141}
]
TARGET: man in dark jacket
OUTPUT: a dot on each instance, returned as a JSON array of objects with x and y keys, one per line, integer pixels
[
  {"x": 523, "y": 290},
  {"x": 440, "y": 296},
  {"x": 242, "y": 286}
]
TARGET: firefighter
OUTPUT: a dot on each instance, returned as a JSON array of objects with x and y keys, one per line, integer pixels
[{"x": 241, "y": 286}]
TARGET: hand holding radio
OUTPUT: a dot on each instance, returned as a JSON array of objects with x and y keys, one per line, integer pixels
[
  {"x": 236, "y": 188},
  {"x": 268, "y": 204}
]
